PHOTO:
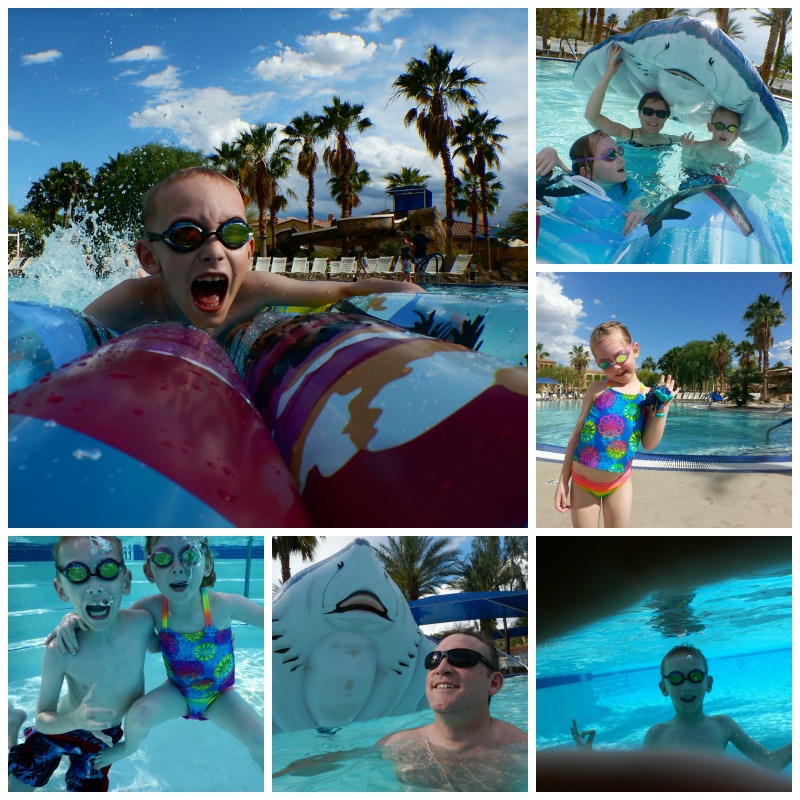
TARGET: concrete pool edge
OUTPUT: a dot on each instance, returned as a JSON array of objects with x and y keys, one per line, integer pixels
[{"x": 688, "y": 463}]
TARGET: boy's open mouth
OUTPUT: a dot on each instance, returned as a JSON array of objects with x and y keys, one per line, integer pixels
[
  {"x": 179, "y": 586},
  {"x": 99, "y": 610},
  {"x": 688, "y": 700},
  {"x": 209, "y": 292}
]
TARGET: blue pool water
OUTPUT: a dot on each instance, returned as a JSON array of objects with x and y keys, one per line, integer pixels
[
  {"x": 180, "y": 755},
  {"x": 370, "y": 772},
  {"x": 691, "y": 431},
  {"x": 560, "y": 121},
  {"x": 605, "y": 675}
]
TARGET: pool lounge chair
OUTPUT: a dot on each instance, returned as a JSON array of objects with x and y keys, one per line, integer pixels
[
  {"x": 347, "y": 269},
  {"x": 278, "y": 265},
  {"x": 15, "y": 265},
  {"x": 384, "y": 268},
  {"x": 459, "y": 271},
  {"x": 432, "y": 267},
  {"x": 336, "y": 267},
  {"x": 372, "y": 265},
  {"x": 319, "y": 269},
  {"x": 262, "y": 263},
  {"x": 299, "y": 268}
]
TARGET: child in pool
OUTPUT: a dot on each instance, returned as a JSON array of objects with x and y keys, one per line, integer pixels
[
  {"x": 653, "y": 111},
  {"x": 615, "y": 418},
  {"x": 197, "y": 252},
  {"x": 194, "y": 632},
  {"x": 103, "y": 680},
  {"x": 685, "y": 680},
  {"x": 715, "y": 152},
  {"x": 597, "y": 157}
]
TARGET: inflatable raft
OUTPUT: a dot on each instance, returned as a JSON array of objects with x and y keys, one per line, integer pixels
[
  {"x": 696, "y": 68},
  {"x": 335, "y": 420}
]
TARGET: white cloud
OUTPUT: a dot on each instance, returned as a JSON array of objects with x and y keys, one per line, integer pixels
[
  {"x": 321, "y": 56},
  {"x": 16, "y": 136},
  {"x": 378, "y": 17},
  {"x": 781, "y": 351},
  {"x": 145, "y": 53},
  {"x": 557, "y": 318},
  {"x": 166, "y": 79},
  {"x": 45, "y": 57}
]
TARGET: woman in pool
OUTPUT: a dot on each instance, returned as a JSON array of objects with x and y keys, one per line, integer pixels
[{"x": 653, "y": 112}]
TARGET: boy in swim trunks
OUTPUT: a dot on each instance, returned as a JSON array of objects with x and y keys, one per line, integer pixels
[
  {"x": 197, "y": 251},
  {"x": 724, "y": 130},
  {"x": 685, "y": 680},
  {"x": 616, "y": 417},
  {"x": 102, "y": 681}
]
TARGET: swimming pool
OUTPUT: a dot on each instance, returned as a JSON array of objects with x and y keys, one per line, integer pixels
[
  {"x": 560, "y": 107},
  {"x": 605, "y": 674},
  {"x": 690, "y": 431},
  {"x": 180, "y": 755},
  {"x": 370, "y": 772}
]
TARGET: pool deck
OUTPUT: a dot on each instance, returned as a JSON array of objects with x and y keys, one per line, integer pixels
[{"x": 683, "y": 497}]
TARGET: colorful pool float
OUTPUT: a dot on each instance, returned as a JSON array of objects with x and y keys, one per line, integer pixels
[{"x": 696, "y": 68}]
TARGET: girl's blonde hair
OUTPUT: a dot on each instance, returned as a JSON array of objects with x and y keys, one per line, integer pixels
[
  {"x": 608, "y": 329},
  {"x": 208, "y": 580}
]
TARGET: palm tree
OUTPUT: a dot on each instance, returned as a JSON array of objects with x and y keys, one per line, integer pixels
[
  {"x": 44, "y": 197},
  {"x": 408, "y": 176},
  {"x": 763, "y": 315},
  {"x": 357, "y": 180},
  {"x": 478, "y": 142},
  {"x": 278, "y": 167},
  {"x": 745, "y": 351},
  {"x": 304, "y": 130},
  {"x": 779, "y": 22},
  {"x": 649, "y": 363},
  {"x": 337, "y": 120},
  {"x": 433, "y": 87},
  {"x": 468, "y": 200},
  {"x": 540, "y": 351},
  {"x": 420, "y": 564},
  {"x": 720, "y": 350},
  {"x": 787, "y": 277},
  {"x": 612, "y": 20},
  {"x": 579, "y": 360},
  {"x": 285, "y": 546}
]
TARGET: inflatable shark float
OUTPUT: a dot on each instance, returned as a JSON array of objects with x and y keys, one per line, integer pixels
[
  {"x": 345, "y": 646},
  {"x": 696, "y": 68}
]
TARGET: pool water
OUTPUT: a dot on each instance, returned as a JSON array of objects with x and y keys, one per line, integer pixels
[
  {"x": 180, "y": 755},
  {"x": 605, "y": 674},
  {"x": 690, "y": 431},
  {"x": 370, "y": 772},
  {"x": 560, "y": 107}
]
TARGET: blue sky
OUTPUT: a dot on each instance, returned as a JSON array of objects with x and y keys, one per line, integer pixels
[
  {"x": 661, "y": 309},
  {"x": 86, "y": 84}
]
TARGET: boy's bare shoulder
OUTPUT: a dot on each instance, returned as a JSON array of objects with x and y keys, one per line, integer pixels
[
  {"x": 655, "y": 734},
  {"x": 137, "y": 617},
  {"x": 506, "y": 733},
  {"x": 129, "y": 304}
]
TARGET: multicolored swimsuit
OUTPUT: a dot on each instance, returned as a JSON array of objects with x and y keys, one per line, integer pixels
[
  {"x": 200, "y": 664},
  {"x": 612, "y": 430}
]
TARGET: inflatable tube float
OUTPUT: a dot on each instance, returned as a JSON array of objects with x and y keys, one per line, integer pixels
[
  {"x": 696, "y": 68},
  {"x": 345, "y": 646},
  {"x": 153, "y": 429},
  {"x": 712, "y": 224},
  {"x": 161, "y": 414}
]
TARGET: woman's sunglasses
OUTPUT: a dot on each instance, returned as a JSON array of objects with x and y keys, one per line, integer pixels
[
  {"x": 659, "y": 112},
  {"x": 619, "y": 358},
  {"x": 460, "y": 657},
  {"x": 721, "y": 126},
  {"x": 609, "y": 155},
  {"x": 78, "y": 572},
  {"x": 190, "y": 556},
  {"x": 183, "y": 237},
  {"x": 677, "y": 678}
]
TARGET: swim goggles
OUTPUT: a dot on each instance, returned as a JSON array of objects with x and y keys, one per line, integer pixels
[
  {"x": 677, "y": 678},
  {"x": 460, "y": 657},
  {"x": 659, "y": 112},
  {"x": 190, "y": 556},
  {"x": 78, "y": 572},
  {"x": 721, "y": 126},
  {"x": 609, "y": 155},
  {"x": 619, "y": 358},
  {"x": 183, "y": 237}
]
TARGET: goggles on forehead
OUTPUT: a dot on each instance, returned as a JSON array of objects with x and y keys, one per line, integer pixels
[
  {"x": 78, "y": 572},
  {"x": 659, "y": 112},
  {"x": 721, "y": 126},
  {"x": 183, "y": 237},
  {"x": 189, "y": 556},
  {"x": 459, "y": 657},
  {"x": 677, "y": 678},
  {"x": 609, "y": 155}
]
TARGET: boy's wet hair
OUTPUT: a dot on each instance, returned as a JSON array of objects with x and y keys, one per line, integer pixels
[
  {"x": 208, "y": 580},
  {"x": 63, "y": 539},
  {"x": 148, "y": 204},
  {"x": 653, "y": 96},
  {"x": 722, "y": 108},
  {"x": 584, "y": 148},
  {"x": 684, "y": 649},
  {"x": 608, "y": 329}
]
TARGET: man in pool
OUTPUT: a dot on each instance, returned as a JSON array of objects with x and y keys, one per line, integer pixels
[
  {"x": 685, "y": 680},
  {"x": 103, "y": 679},
  {"x": 197, "y": 251},
  {"x": 464, "y": 748}
]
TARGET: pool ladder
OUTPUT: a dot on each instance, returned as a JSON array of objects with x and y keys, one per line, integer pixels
[{"x": 568, "y": 45}]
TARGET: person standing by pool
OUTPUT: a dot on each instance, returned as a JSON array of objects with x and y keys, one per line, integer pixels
[
  {"x": 653, "y": 112},
  {"x": 617, "y": 416}
]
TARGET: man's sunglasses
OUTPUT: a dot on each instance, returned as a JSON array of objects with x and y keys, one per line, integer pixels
[
  {"x": 677, "y": 678},
  {"x": 609, "y": 155},
  {"x": 721, "y": 126},
  {"x": 460, "y": 657},
  {"x": 183, "y": 237},
  {"x": 659, "y": 112},
  {"x": 190, "y": 556},
  {"x": 78, "y": 572}
]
